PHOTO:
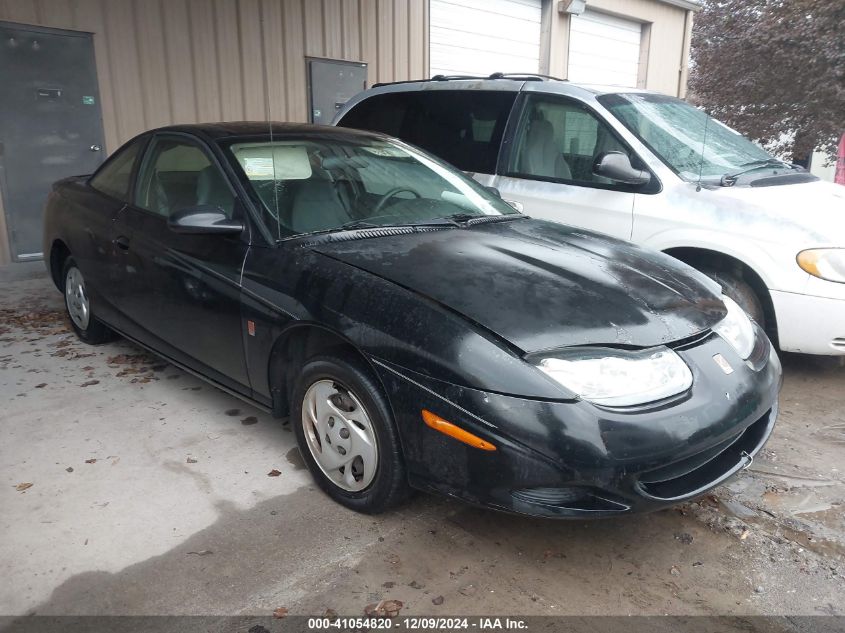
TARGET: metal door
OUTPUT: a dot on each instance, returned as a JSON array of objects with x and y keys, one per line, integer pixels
[
  {"x": 331, "y": 83},
  {"x": 50, "y": 122}
]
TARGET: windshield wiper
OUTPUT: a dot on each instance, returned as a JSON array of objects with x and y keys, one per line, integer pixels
[
  {"x": 729, "y": 179},
  {"x": 471, "y": 218}
]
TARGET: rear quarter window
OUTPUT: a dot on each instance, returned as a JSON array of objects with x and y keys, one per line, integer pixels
[
  {"x": 114, "y": 178},
  {"x": 463, "y": 127}
]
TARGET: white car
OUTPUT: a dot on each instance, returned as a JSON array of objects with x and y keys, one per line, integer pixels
[{"x": 647, "y": 168}]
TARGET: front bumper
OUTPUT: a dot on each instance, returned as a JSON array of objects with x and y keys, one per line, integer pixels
[
  {"x": 573, "y": 459},
  {"x": 810, "y": 324}
]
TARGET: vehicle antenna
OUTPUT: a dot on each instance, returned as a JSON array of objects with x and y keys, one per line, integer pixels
[
  {"x": 272, "y": 151},
  {"x": 703, "y": 145}
]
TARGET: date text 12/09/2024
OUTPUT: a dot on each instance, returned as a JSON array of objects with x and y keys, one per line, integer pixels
[{"x": 418, "y": 624}]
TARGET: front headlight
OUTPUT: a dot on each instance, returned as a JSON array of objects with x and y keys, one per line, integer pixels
[
  {"x": 824, "y": 263},
  {"x": 619, "y": 378},
  {"x": 736, "y": 328}
]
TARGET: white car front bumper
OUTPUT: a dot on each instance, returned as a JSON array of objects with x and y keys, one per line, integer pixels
[{"x": 810, "y": 324}]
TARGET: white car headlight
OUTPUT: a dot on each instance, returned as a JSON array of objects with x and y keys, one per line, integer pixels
[
  {"x": 824, "y": 263},
  {"x": 736, "y": 328},
  {"x": 619, "y": 378}
]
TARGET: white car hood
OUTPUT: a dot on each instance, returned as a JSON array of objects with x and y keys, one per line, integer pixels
[{"x": 814, "y": 211}]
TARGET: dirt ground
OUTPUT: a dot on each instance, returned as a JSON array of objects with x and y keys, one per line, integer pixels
[{"x": 150, "y": 494}]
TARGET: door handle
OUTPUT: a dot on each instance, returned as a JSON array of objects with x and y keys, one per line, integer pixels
[
  {"x": 95, "y": 148},
  {"x": 122, "y": 243}
]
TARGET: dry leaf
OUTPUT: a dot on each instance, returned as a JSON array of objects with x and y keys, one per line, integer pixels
[
  {"x": 91, "y": 461},
  {"x": 23, "y": 486},
  {"x": 41, "y": 385},
  {"x": 280, "y": 613},
  {"x": 274, "y": 473},
  {"x": 191, "y": 460},
  {"x": 89, "y": 383},
  {"x": 384, "y": 608}
]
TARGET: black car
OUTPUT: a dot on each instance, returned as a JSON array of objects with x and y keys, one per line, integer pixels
[{"x": 419, "y": 332}]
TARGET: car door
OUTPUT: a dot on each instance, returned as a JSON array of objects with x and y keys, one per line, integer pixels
[
  {"x": 101, "y": 258},
  {"x": 186, "y": 288},
  {"x": 547, "y": 166}
]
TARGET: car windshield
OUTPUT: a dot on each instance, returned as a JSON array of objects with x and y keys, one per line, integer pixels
[
  {"x": 324, "y": 183},
  {"x": 677, "y": 132}
]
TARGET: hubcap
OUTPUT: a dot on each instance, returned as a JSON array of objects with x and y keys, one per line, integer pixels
[
  {"x": 340, "y": 435},
  {"x": 76, "y": 299}
]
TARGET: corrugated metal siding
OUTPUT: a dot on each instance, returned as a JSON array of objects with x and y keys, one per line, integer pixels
[{"x": 183, "y": 61}]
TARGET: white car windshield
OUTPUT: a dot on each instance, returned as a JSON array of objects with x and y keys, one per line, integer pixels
[
  {"x": 323, "y": 182},
  {"x": 686, "y": 139}
]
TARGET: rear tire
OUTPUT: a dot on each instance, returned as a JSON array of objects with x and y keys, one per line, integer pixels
[
  {"x": 346, "y": 434},
  {"x": 78, "y": 306},
  {"x": 740, "y": 291}
]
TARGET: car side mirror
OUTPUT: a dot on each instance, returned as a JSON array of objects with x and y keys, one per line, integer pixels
[
  {"x": 203, "y": 219},
  {"x": 617, "y": 166}
]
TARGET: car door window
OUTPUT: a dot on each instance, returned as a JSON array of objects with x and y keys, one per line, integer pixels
[
  {"x": 114, "y": 178},
  {"x": 177, "y": 174},
  {"x": 559, "y": 139}
]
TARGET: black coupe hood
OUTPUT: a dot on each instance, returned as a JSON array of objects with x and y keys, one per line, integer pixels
[{"x": 541, "y": 285}]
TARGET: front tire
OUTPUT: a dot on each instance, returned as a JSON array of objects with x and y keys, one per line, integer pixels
[
  {"x": 345, "y": 431},
  {"x": 740, "y": 291},
  {"x": 78, "y": 306}
]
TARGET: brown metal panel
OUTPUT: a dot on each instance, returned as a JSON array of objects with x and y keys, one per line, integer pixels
[
  {"x": 351, "y": 22},
  {"x": 384, "y": 40},
  {"x": 252, "y": 60},
  {"x": 333, "y": 29},
  {"x": 416, "y": 44},
  {"x": 55, "y": 13},
  {"x": 314, "y": 31},
  {"x": 180, "y": 65},
  {"x": 204, "y": 53},
  {"x": 297, "y": 106},
  {"x": 153, "y": 64},
  {"x": 272, "y": 29},
  {"x": 369, "y": 39},
  {"x": 228, "y": 48},
  {"x": 88, "y": 16},
  {"x": 17, "y": 11},
  {"x": 400, "y": 40},
  {"x": 427, "y": 38},
  {"x": 123, "y": 52}
]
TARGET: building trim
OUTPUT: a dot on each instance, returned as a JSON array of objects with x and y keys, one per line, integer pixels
[{"x": 689, "y": 5}]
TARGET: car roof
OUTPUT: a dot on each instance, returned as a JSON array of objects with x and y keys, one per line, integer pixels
[
  {"x": 513, "y": 82},
  {"x": 235, "y": 129}
]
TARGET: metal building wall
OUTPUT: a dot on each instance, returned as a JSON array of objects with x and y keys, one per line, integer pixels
[{"x": 183, "y": 61}]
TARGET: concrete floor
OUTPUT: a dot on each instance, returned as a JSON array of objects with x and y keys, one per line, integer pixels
[{"x": 150, "y": 495}]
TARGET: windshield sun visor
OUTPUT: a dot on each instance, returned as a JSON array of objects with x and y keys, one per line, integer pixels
[{"x": 273, "y": 161}]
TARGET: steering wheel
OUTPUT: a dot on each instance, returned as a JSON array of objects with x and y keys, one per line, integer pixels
[{"x": 390, "y": 194}]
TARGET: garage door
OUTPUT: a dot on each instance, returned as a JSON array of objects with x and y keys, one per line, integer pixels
[
  {"x": 479, "y": 37},
  {"x": 604, "y": 49}
]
